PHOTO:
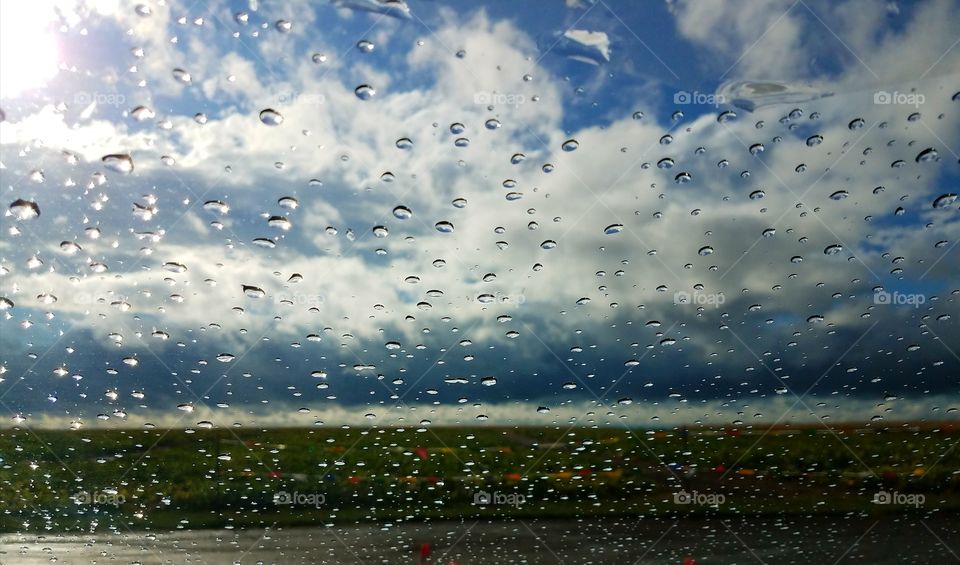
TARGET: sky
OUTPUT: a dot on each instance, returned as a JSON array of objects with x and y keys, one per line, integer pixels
[{"x": 387, "y": 213}]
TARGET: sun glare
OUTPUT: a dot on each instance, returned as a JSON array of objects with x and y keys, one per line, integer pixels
[{"x": 28, "y": 48}]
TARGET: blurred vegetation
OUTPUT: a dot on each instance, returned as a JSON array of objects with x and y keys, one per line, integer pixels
[{"x": 137, "y": 479}]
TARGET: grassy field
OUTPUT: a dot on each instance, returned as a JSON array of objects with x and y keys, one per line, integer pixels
[{"x": 164, "y": 479}]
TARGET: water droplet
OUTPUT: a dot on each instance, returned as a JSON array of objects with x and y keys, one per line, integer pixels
[
  {"x": 856, "y": 123},
  {"x": 928, "y": 155},
  {"x": 665, "y": 163},
  {"x": 118, "y": 163},
  {"x": 517, "y": 158},
  {"x": 283, "y": 26},
  {"x": 726, "y": 116},
  {"x": 365, "y": 46},
  {"x": 402, "y": 213},
  {"x": 683, "y": 178},
  {"x": 548, "y": 244},
  {"x": 456, "y": 128},
  {"x": 24, "y": 209},
  {"x": 288, "y": 202},
  {"x": 444, "y": 227},
  {"x": 365, "y": 92},
  {"x": 279, "y": 222},
  {"x": 380, "y": 231},
  {"x": 839, "y": 195},
  {"x": 833, "y": 249},
  {"x": 459, "y": 203},
  {"x": 461, "y": 142},
  {"x": 613, "y": 229},
  {"x": 142, "y": 113},
  {"x": 705, "y": 250},
  {"x": 944, "y": 200},
  {"x": 757, "y": 194},
  {"x": 814, "y": 140},
  {"x": 404, "y": 143},
  {"x": 756, "y": 149},
  {"x": 492, "y": 123},
  {"x": 182, "y": 76},
  {"x": 570, "y": 145},
  {"x": 253, "y": 291},
  {"x": 271, "y": 117}
]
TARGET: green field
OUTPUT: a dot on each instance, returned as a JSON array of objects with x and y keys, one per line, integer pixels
[{"x": 162, "y": 479}]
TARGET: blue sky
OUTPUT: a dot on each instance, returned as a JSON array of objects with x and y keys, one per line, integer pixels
[{"x": 763, "y": 337}]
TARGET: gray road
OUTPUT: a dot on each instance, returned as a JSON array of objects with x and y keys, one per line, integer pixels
[{"x": 861, "y": 540}]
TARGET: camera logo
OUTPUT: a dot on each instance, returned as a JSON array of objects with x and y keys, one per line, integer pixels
[
  {"x": 683, "y": 298},
  {"x": 698, "y": 498},
  {"x": 898, "y": 498},
  {"x": 484, "y": 98},
  {"x": 484, "y": 498},
  {"x": 84, "y": 98},
  {"x": 108, "y": 497},
  {"x": 284, "y": 498},
  {"x": 684, "y": 97},
  {"x": 481, "y": 498},
  {"x": 884, "y": 298},
  {"x": 882, "y": 97}
]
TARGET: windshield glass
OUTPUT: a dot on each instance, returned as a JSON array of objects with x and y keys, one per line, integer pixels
[{"x": 373, "y": 281}]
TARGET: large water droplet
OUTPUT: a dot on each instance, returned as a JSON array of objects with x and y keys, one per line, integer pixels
[
  {"x": 613, "y": 229},
  {"x": 570, "y": 145},
  {"x": 944, "y": 200},
  {"x": 271, "y": 117},
  {"x": 24, "y": 209},
  {"x": 402, "y": 213},
  {"x": 365, "y": 92},
  {"x": 118, "y": 163},
  {"x": 928, "y": 155}
]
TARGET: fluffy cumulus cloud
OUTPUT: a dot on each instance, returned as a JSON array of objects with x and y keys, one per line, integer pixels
[{"x": 456, "y": 220}]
